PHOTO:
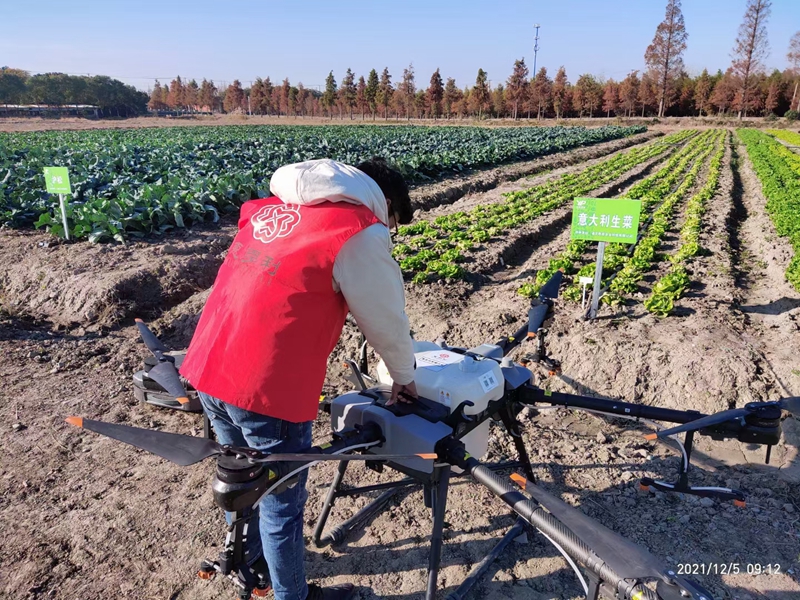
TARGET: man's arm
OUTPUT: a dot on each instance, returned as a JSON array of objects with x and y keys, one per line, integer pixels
[{"x": 372, "y": 284}]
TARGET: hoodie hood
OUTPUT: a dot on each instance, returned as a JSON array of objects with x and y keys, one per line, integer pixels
[{"x": 325, "y": 180}]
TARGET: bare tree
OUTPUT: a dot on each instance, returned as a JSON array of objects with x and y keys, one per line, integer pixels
[
  {"x": 752, "y": 46},
  {"x": 793, "y": 56},
  {"x": 663, "y": 55}
]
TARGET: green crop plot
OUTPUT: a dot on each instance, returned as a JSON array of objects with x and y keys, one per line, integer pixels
[{"x": 135, "y": 182}]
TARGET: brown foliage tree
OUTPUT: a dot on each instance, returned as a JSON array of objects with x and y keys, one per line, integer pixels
[
  {"x": 610, "y": 97},
  {"x": 541, "y": 94},
  {"x": 259, "y": 103},
  {"x": 560, "y": 92},
  {"x": 648, "y": 93},
  {"x": 435, "y": 94},
  {"x": 480, "y": 97},
  {"x": 452, "y": 97},
  {"x": 234, "y": 97},
  {"x": 751, "y": 47},
  {"x": 724, "y": 92},
  {"x": 518, "y": 89},
  {"x": 175, "y": 98},
  {"x": 207, "y": 98},
  {"x": 663, "y": 55},
  {"x": 191, "y": 95},
  {"x": 702, "y": 93},
  {"x": 629, "y": 92}
]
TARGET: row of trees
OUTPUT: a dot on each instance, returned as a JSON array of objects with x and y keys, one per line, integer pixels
[
  {"x": 663, "y": 89},
  {"x": 111, "y": 96},
  {"x": 519, "y": 97}
]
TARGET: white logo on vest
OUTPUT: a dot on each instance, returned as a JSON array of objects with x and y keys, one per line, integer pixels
[{"x": 274, "y": 221}]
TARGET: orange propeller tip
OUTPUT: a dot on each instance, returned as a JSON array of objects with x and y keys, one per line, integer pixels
[
  {"x": 531, "y": 335},
  {"x": 138, "y": 320},
  {"x": 182, "y": 400},
  {"x": 428, "y": 456},
  {"x": 519, "y": 480},
  {"x": 76, "y": 421},
  {"x": 651, "y": 436}
]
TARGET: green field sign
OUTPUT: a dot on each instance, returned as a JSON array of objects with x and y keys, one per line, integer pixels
[
  {"x": 606, "y": 219},
  {"x": 57, "y": 180}
]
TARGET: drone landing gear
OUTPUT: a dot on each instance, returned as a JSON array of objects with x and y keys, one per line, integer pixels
[
  {"x": 252, "y": 582},
  {"x": 540, "y": 356},
  {"x": 434, "y": 488},
  {"x": 682, "y": 485}
]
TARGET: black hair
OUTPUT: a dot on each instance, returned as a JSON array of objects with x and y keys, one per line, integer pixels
[{"x": 392, "y": 185}]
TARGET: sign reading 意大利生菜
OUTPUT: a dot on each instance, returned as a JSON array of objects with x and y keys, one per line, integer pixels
[{"x": 606, "y": 219}]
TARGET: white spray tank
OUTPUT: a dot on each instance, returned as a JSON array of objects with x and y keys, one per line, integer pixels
[{"x": 451, "y": 378}]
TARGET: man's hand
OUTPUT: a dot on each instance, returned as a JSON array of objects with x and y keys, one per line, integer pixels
[{"x": 402, "y": 393}]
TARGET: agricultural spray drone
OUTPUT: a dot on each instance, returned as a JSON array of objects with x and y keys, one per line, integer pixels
[{"x": 446, "y": 430}]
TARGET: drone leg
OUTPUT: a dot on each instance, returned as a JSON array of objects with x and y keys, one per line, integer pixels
[
  {"x": 207, "y": 433},
  {"x": 333, "y": 493},
  {"x": 512, "y": 426},
  {"x": 594, "y": 586},
  {"x": 438, "y": 494},
  {"x": 682, "y": 485}
]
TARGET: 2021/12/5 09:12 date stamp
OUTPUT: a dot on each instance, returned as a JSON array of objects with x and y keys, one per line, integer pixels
[{"x": 728, "y": 568}]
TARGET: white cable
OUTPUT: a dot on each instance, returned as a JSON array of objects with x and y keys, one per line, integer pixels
[
  {"x": 311, "y": 464},
  {"x": 569, "y": 560}
]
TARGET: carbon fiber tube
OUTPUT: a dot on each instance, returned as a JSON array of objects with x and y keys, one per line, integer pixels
[{"x": 547, "y": 524}]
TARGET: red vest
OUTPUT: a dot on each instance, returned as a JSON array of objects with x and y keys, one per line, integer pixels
[{"x": 272, "y": 318}]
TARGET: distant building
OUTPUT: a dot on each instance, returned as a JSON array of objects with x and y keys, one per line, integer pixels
[{"x": 44, "y": 110}]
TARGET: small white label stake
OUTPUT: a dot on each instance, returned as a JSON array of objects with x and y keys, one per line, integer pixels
[
  {"x": 62, "y": 202},
  {"x": 598, "y": 280}
]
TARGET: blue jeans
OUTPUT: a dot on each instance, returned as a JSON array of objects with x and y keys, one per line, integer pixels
[{"x": 280, "y": 516}]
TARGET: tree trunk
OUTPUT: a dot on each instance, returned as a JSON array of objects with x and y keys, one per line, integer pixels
[{"x": 794, "y": 94}]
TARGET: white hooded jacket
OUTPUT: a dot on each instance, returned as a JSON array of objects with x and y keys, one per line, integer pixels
[{"x": 364, "y": 271}]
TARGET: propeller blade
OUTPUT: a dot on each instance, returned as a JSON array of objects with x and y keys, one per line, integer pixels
[
  {"x": 536, "y": 316},
  {"x": 702, "y": 423},
  {"x": 166, "y": 375},
  {"x": 149, "y": 338},
  {"x": 183, "y": 450},
  {"x": 629, "y": 560},
  {"x": 341, "y": 457},
  {"x": 791, "y": 404},
  {"x": 550, "y": 289}
]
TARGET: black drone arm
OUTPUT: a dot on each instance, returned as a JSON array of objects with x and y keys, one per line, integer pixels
[
  {"x": 759, "y": 431},
  {"x": 612, "y": 560}
]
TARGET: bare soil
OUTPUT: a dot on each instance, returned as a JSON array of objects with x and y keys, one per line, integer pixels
[{"x": 85, "y": 517}]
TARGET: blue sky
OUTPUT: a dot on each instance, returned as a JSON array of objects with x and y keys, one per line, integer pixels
[{"x": 304, "y": 39}]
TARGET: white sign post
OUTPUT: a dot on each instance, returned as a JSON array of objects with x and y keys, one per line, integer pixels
[{"x": 56, "y": 181}]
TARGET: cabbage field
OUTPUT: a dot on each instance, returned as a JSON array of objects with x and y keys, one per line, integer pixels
[{"x": 135, "y": 182}]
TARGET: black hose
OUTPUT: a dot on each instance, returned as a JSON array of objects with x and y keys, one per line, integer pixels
[{"x": 546, "y": 523}]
